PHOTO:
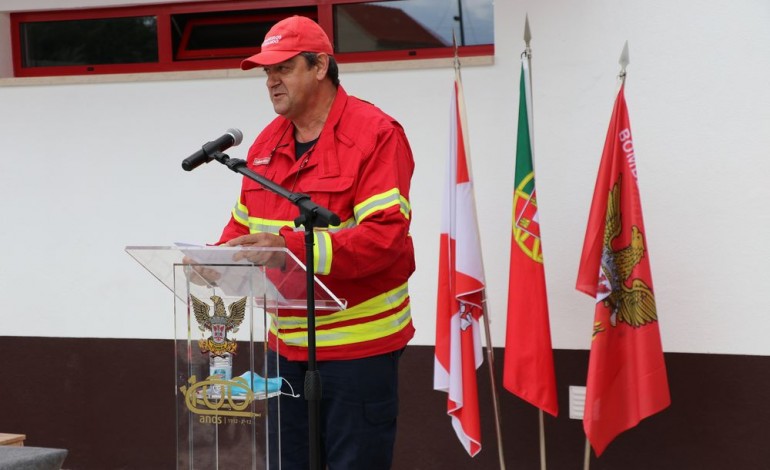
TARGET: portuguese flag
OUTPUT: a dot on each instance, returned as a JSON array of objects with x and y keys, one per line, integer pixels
[
  {"x": 627, "y": 379},
  {"x": 528, "y": 364}
]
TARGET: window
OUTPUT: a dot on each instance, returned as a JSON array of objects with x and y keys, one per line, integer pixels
[
  {"x": 210, "y": 35},
  {"x": 404, "y": 24},
  {"x": 99, "y": 41},
  {"x": 226, "y": 34}
]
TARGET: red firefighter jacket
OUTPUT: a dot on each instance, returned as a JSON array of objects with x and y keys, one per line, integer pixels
[{"x": 360, "y": 169}]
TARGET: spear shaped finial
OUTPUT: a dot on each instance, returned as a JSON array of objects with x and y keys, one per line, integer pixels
[
  {"x": 623, "y": 61},
  {"x": 527, "y": 34},
  {"x": 457, "y": 54}
]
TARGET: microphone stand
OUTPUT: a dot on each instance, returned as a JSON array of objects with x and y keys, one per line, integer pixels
[{"x": 311, "y": 215}]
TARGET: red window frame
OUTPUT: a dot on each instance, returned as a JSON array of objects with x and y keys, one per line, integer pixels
[
  {"x": 182, "y": 53},
  {"x": 166, "y": 61}
]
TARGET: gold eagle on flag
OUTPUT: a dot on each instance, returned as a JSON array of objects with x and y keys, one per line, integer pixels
[
  {"x": 219, "y": 323},
  {"x": 634, "y": 305}
]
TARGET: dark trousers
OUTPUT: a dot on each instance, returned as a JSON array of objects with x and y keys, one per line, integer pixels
[{"x": 358, "y": 408}]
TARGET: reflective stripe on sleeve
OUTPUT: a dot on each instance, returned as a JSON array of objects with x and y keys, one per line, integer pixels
[
  {"x": 241, "y": 214},
  {"x": 350, "y": 223},
  {"x": 322, "y": 252},
  {"x": 406, "y": 208},
  {"x": 260, "y": 225},
  {"x": 381, "y": 202}
]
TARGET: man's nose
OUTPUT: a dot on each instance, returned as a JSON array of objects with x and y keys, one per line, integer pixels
[{"x": 272, "y": 80}]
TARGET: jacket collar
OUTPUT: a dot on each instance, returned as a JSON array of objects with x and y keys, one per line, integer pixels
[{"x": 324, "y": 152}]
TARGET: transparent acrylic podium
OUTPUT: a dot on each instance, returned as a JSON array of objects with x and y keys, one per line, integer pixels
[{"x": 223, "y": 311}]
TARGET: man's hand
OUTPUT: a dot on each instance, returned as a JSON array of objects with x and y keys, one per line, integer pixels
[
  {"x": 274, "y": 259},
  {"x": 200, "y": 274}
]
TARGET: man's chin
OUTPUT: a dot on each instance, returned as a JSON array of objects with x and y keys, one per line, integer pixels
[{"x": 280, "y": 110}]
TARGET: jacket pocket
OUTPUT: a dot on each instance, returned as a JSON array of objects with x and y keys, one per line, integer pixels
[
  {"x": 334, "y": 193},
  {"x": 334, "y": 184}
]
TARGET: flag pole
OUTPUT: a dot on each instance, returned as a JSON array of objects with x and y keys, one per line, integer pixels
[
  {"x": 587, "y": 455},
  {"x": 485, "y": 316},
  {"x": 495, "y": 405},
  {"x": 528, "y": 54}
]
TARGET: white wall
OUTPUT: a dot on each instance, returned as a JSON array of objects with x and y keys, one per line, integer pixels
[{"x": 88, "y": 169}]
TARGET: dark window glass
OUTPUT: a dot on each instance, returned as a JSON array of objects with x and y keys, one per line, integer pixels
[
  {"x": 226, "y": 34},
  {"x": 89, "y": 42},
  {"x": 412, "y": 24}
]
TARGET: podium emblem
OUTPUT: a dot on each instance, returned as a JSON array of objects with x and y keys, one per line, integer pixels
[{"x": 220, "y": 323}]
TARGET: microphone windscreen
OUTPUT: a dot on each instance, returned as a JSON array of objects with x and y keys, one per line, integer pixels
[{"x": 237, "y": 136}]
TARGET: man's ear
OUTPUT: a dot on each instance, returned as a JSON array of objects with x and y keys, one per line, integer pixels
[{"x": 323, "y": 65}]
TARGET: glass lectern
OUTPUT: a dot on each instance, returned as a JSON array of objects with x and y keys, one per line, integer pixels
[{"x": 227, "y": 409}]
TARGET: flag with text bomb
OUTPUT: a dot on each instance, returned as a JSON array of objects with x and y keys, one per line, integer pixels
[
  {"x": 627, "y": 379},
  {"x": 460, "y": 287},
  {"x": 528, "y": 370}
]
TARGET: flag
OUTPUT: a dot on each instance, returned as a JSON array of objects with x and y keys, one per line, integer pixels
[
  {"x": 627, "y": 379},
  {"x": 528, "y": 363},
  {"x": 460, "y": 287}
]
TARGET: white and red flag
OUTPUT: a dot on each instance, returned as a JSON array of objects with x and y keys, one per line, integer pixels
[{"x": 460, "y": 287}]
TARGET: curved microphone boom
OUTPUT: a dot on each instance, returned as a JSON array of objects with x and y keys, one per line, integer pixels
[{"x": 231, "y": 138}]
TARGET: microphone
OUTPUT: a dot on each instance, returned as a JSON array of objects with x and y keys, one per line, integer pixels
[{"x": 231, "y": 138}]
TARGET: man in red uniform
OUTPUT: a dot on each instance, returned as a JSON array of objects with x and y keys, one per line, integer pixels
[{"x": 353, "y": 159}]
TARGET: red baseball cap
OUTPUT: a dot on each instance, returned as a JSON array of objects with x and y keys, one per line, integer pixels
[{"x": 288, "y": 38}]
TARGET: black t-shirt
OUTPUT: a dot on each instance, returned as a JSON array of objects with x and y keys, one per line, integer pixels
[{"x": 301, "y": 147}]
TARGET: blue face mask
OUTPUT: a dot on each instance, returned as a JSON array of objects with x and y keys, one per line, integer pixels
[{"x": 259, "y": 384}]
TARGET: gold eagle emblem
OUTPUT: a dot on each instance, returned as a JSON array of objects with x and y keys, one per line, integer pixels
[
  {"x": 630, "y": 300},
  {"x": 220, "y": 323}
]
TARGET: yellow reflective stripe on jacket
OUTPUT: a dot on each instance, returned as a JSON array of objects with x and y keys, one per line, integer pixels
[
  {"x": 350, "y": 223},
  {"x": 368, "y": 308},
  {"x": 380, "y": 202},
  {"x": 406, "y": 208},
  {"x": 351, "y": 334},
  {"x": 241, "y": 214},
  {"x": 258, "y": 224},
  {"x": 322, "y": 252}
]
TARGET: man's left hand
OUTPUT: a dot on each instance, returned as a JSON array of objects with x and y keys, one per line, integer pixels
[{"x": 274, "y": 259}]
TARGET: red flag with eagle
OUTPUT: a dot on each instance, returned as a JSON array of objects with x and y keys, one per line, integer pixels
[
  {"x": 460, "y": 287},
  {"x": 627, "y": 379},
  {"x": 528, "y": 368}
]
